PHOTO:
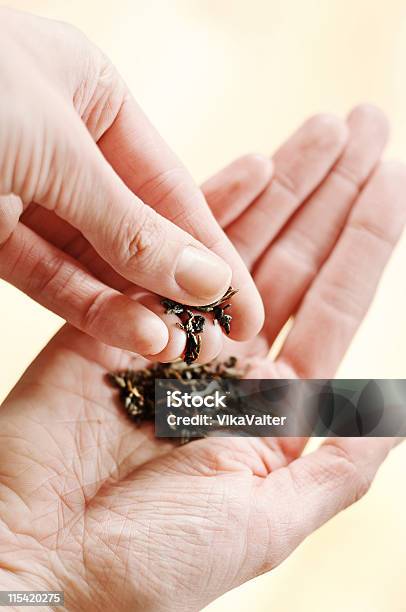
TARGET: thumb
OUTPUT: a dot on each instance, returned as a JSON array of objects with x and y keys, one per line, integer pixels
[
  {"x": 298, "y": 499},
  {"x": 70, "y": 176}
]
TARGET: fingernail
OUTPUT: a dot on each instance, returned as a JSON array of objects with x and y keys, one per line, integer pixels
[{"x": 202, "y": 274}]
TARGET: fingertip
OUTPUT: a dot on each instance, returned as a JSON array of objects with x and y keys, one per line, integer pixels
[
  {"x": 175, "y": 344},
  {"x": 120, "y": 321},
  {"x": 248, "y": 314},
  {"x": 135, "y": 328},
  {"x": 373, "y": 116},
  {"x": 154, "y": 339},
  {"x": 327, "y": 130},
  {"x": 257, "y": 168},
  {"x": 212, "y": 341},
  {"x": 174, "y": 348}
]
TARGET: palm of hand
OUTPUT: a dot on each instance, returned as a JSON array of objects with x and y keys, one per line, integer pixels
[
  {"x": 114, "y": 516},
  {"x": 106, "y": 502}
]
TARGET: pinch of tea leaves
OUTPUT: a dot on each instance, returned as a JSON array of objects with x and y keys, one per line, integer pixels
[{"x": 193, "y": 324}]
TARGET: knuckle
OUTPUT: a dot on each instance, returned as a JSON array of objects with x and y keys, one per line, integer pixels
[
  {"x": 93, "y": 312},
  {"x": 346, "y": 174},
  {"x": 165, "y": 186},
  {"x": 298, "y": 250},
  {"x": 342, "y": 299},
  {"x": 344, "y": 469},
  {"x": 288, "y": 183},
  {"x": 142, "y": 239},
  {"x": 100, "y": 93},
  {"x": 55, "y": 278},
  {"x": 381, "y": 235}
]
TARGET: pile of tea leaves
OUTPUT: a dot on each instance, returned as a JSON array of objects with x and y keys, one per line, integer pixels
[{"x": 137, "y": 387}]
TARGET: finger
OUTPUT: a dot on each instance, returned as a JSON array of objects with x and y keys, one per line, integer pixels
[
  {"x": 73, "y": 179},
  {"x": 300, "y": 498},
  {"x": 151, "y": 170},
  {"x": 300, "y": 165},
  {"x": 60, "y": 233},
  {"x": 300, "y": 250},
  {"x": 233, "y": 189},
  {"x": 61, "y": 284},
  {"x": 338, "y": 299}
]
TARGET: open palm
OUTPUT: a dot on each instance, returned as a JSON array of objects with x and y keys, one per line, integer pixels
[{"x": 121, "y": 520}]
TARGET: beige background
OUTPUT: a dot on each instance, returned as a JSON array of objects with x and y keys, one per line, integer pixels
[{"x": 220, "y": 78}]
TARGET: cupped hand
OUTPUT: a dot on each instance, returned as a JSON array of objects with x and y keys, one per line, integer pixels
[
  {"x": 120, "y": 520},
  {"x": 83, "y": 172}
]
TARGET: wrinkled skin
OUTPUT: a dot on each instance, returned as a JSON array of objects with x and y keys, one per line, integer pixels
[{"x": 120, "y": 520}]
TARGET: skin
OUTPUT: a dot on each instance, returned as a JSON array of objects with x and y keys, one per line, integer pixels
[
  {"x": 120, "y": 520},
  {"x": 83, "y": 174}
]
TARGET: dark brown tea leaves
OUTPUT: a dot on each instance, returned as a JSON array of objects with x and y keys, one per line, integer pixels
[
  {"x": 137, "y": 387},
  {"x": 193, "y": 324}
]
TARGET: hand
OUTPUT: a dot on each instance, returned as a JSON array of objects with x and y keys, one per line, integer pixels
[
  {"x": 317, "y": 240},
  {"x": 79, "y": 162},
  {"x": 121, "y": 520}
]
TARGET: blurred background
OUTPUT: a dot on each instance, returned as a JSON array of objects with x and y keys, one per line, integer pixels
[{"x": 220, "y": 78}]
